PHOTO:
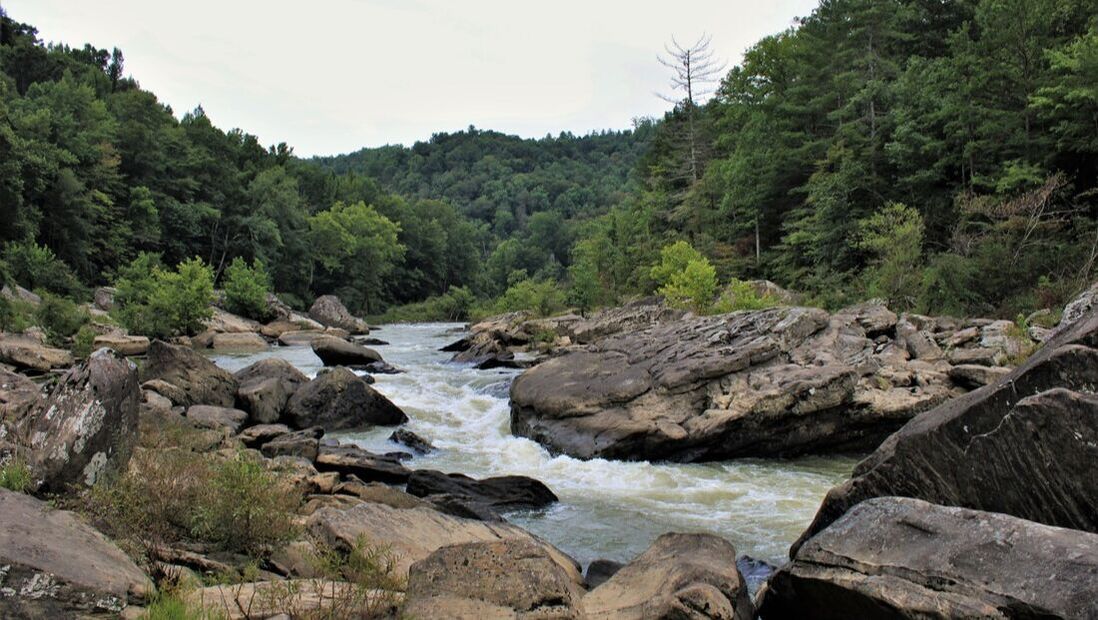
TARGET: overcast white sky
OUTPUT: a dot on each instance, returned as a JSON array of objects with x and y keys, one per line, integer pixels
[{"x": 332, "y": 76}]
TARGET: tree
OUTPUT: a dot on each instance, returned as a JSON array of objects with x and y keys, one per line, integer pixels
[
  {"x": 694, "y": 70},
  {"x": 686, "y": 278},
  {"x": 894, "y": 237},
  {"x": 355, "y": 247}
]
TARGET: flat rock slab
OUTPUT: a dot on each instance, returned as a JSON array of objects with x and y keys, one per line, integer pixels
[
  {"x": 895, "y": 557},
  {"x": 53, "y": 565},
  {"x": 365, "y": 465},
  {"x": 27, "y": 353},
  {"x": 500, "y": 493},
  {"x": 126, "y": 345}
]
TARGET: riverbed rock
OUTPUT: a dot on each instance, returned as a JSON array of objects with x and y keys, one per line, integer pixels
[
  {"x": 28, "y": 353},
  {"x": 224, "y": 322},
  {"x": 1026, "y": 445},
  {"x": 338, "y": 352},
  {"x": 239, "y": 341},
  {"x": 497, "y": 494},
  {"x": 201, "y": 381},
  {"x": 256, "y": 436},
  {"x": 87, "y": 426},
  {"x": 678, "y": 576},
  {"x": 511, "y": 577},
  {"x": 411, "y": 440},
  {"x": 329, "y": 311},
  {"x": 303, "y": 444},
  {"x": 977, "y": 376},
  {"x": 895, "y": 557},
  {"x": 635, "y": 316},
  {"x": 351, "y": 460},
  {"x": 126, "y": 345},
  {"x": 339, "y": 399},
  {"x": 776, "y": 382},
  {"x": 410, "y": 535},
  {"x": 266, "y": 386},
  {"x": 53, "y": 565},
  {"x": 600, "y": 571},
  {"x": 18, "y": 395},
  {"x": 216, "y": 418}
]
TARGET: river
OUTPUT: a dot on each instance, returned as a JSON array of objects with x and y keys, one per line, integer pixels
[{"x": 607, "y": 509}]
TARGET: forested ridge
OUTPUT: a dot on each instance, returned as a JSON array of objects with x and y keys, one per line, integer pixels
[{"x": 939, "y": 154}]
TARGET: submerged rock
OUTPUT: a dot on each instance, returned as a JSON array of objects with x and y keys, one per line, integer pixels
[
  {"x": 777, "y": 382},
  {"x": 53, "y": 565},
  {"x": 329, "y": 311},
  {"x": 339, "y": 399},
  {"x": 1025, "y": 446},
  {"x": 895, "y": 557},
  {"x": 199, "y": 380},
  {"x": 407, "y": 438},
  {"x": 678, "y": 576},
  {"x": 87, "y": 426}
]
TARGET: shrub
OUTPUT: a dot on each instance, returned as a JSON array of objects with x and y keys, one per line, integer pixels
[
  {"x": 60, "y": 318},
  {"x": 542, "y": 298},
  {"x": 159, "y": 303},
  {"x": 741, "y": 295},
  {"x": 894, "y": 237},
  {"x": 171, "y": 606},
  {"x": 37, "y": 267},
  {"x": 246, "y": 289},
  {"x": 16, "y": 315},
  {"x": 455, "y": 304},
  {"x": 15, "y": 476},
  {"x": 83, "y": 341},
  {"x": 686, "y": 278}
]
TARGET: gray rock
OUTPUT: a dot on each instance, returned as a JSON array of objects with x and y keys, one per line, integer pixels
[
  {"x": 53, "y": 565},
  {"x": 339, "y": 399},
  {"x": 329, "y": 311},
  {"x": 975, "y": 376},
  {"x": 352, "y": 460},
  {"x": 678, "y": 576},
  {"x": 28, "y": 353},
  {"x": 126, "y": 345},
  {"x": 201, "y": 381},
  {"x": 216, "y": 418},
  {"x": 337, "y": 352},
  {"x": 256, "y": 436},
  {"x": 407, "y": 438},
  {"x": 266, "y": 387},
  {"x": 500, "y": 493},
  {"x": 303, "y": 444},
  {"x": 895, "y": 557},
  {"x": 87, "y": 426}
]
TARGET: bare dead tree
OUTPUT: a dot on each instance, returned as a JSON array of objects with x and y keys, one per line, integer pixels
[{"x": 694, "y": 72}]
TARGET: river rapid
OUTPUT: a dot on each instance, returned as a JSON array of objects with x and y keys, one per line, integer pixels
[{"x": 607, "y": 509}]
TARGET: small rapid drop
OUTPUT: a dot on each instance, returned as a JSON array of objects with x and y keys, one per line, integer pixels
[{"x": 608, "y": 509}]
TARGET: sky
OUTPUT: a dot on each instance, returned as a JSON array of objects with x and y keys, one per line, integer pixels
[{"x": 333, "y": 76}]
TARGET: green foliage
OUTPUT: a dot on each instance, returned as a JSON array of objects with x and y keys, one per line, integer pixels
[
  {"x": 83, "y": 341},
  {"x": 454, "y": 305},
  {"x": 894, "y": 238},
  {"x": 540, "y": 297},
  {"x": 246, "y": 288},
  {"x": 36, "y": 267},
  {"x": 740, "y": 295},
  {"x": 160, "y": 303},
  {"x": 355, "y": 247},
  {"x": 16, "y": 315},
  {"x": 172, "y": 606},
  {"x": 15, "y": 476},
  {"x": 686, "y": 278},
  {"x": 60, "y": 318}
]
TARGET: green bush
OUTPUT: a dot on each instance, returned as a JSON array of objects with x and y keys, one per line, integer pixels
[
  {"x": 60, "y": 318},
  {"x": 157, "y": 302},
  {"x": 741, "y": 295},
  {"x": 455, "y": 304},
  {"x": 894, "y": 237},
  {"x": 83, "y": 341},
  {"x": 686, "y": 278},
  {"x": 16, "y": 315},
  {"x": 36, "y": 267},
  {"x": 246, "y": 288},
  {"x": 542, "y": 298},
  {"x": 15, "y": 476}
]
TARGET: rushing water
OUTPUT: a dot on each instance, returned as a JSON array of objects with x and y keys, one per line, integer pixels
[{"x": 608, "y": 509}]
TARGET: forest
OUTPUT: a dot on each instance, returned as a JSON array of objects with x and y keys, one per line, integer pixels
[{"x": 939, "y": 154}]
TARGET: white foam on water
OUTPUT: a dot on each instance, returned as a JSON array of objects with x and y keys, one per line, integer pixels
[{"x": 608, "y": 509}]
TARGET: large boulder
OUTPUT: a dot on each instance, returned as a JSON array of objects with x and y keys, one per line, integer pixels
[
  {"x": 678, "y": 576},
  {"x": 87, "y": 426},
  {"x": 497, "y": 494},
  {"x": 266, "y": 387},
  {"x": 201, "y": 381},
  {"x": 339, "y": 399},
  {"x": 53, "y": 565},
  {"x": 18, "y": 395},
  {"x": 217, "y": 418},
  {"x": 896, "y": 557},
  {"x": 238, "y": 341},
  {"x": 504, "y": 578},
  {"x": 636, "y": 316},
  {"x": 224, "y": 322},
  {"x": 126, "y": 345},
  {"x": 776, "y": 382},
  {"x": 1026, "y": 445},
  {"x": 334, "y": 351},
  {"x": 410, "y": 535},
  {"x": 28, "y": 353},
  {"x": 330, "y": 312},
  {"x": 351, "y": 460}
]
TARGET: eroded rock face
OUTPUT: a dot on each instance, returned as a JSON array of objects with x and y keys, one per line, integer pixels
[
  {"x": 18, "y": 396},
  {"x": 519, "y": 576},
  {"x": 413, "y": 534},
  {"x": 329, "y": 311},
  {"x": 53, "y": 565},
  {"x": 895, "y": 557},
  {"x": 339, "y": 399},
  {"x": 200, "y": 381},
  {"x": 679, "y": 576},
  {"x": 1025, "y": 446},
  {"x": 775, "y": 382},
  {"x": 87, "y": 426}
]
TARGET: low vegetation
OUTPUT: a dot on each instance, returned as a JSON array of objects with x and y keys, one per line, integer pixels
[
  {"x": 160, "y": 302},
  {"x": 246, "y": 288},
  {"x": 15, "y": 476}
]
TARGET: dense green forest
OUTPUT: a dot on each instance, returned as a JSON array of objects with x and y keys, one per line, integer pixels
[{"x": 942, "y": 154}]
